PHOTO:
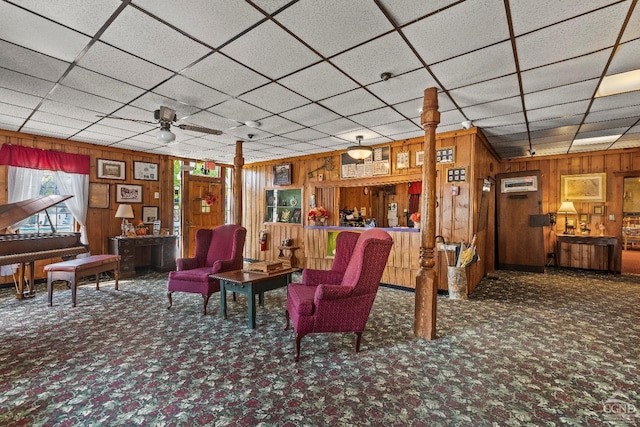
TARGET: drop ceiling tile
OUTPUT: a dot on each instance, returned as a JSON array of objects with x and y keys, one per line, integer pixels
[
  {"x": 629, "y": 114},
  {"x": 388, "y": 53},
  {"x": 318, "y": 82},
  {"x": 122, "y": 66},
  {"x": 557, "y": 122},
  {"x": 627, "y": 99},
  {"x": 558, "y": 141},
  {"x": 451, "y": 117},
  {"x": 595, "y": 31},
  {"x": 137, "y": 33},
  {"x": 377, "y": 117},
  {"x": 488, "y": 63},
  {"x": 215, "y": 71},
  {"x": 310, "y": 115},
  {"x": 305, "y": 135},
  {"x": 406, "y": 11},
  {"x": 189, "y": 92},
  {"x": 278, "y": 125},
  {"x": 493, "y": 109},
  {"x": 411, "y": 109},
  {"x": 556, "y": 111},
  {"x": 601, "y": 132},
  {"x": 274, "y": 98},
  {"x": 562, "y": 94},
  {"x": 271, "y": 6},
  {"x": 19, "y": 99},
  {"x": 633, "y": 27},
  {"x": 401, "y": 127},
  {"x": 97, "y": 84},
  {"x": 14, "y": 111},
  {"x": 591, "y": 124},
  {"x": 404, "y": 87},
  {"x": 270, "y": 50},
  {"x": 587, "y": 148},
  {"x": 82, "y": 15},
  {"x": 33, "y": 32},
  {"x": 44, "y": 117},
  {"x": 64, "y": 132},
  {"x": 501, "y": 131},
  {"x": 627, "y": 141},
  {"x": 317, "y": 23},
  {"x": 23, "y": 83},
  {"x": 488, "y": 26},
  {"x": 337, "y": 126},
  {"x": 626, "y": 58},
  {"x": 353, "y": 102},
  {"x": 212, "y": 24},
  {"x": 75, "y": 97},
  {"x": 529, "y": 16},
  {"x": 500, "y": 120},
  {"x": 68, "y": 110},
  {"x": 560, "y": 131},
  {"x": 487, "y": 91},
  {"x": 566, "y": 72},
  {"x": 111, "y": 131},
  {"x": 21, "y": 60}
]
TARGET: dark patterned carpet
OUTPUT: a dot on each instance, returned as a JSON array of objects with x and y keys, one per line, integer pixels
[{"x": 526, "y": 349}]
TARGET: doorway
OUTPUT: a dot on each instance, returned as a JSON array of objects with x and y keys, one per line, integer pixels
[{"x": 631, "y": 226}]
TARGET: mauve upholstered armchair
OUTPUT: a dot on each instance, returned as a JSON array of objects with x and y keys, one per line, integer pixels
[
  {"x": 217, "y": 249},
  {"x": 345, "y": 243},
  {"x": 343, "y": 306}
]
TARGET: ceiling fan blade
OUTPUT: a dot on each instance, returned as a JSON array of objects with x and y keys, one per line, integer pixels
[
  {"x": 124, "y": 118},
  {"x": 200, "y": 129}
]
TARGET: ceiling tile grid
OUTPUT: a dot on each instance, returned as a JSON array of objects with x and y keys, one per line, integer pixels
[{"x": 310, "y": 71}]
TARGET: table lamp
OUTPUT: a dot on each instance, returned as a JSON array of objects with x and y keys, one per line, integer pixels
[
  {"x": 567, "y": 208},
  {"x": 124, "y": 212}
]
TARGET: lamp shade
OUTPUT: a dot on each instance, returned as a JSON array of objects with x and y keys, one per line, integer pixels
[
  {"x": 359, "y": 151},
  {"x": 124, "y": 211},
  {"x": 567, "y": 208}
]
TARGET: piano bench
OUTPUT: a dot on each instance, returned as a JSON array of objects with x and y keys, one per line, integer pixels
[{"x": 72, "y": 270}]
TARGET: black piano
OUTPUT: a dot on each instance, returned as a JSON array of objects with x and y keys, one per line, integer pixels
[{"x": 26, "y": 249}]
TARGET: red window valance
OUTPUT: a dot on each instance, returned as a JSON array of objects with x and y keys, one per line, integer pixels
[
  {"x": 415, "y": 187},
  {"x": 35, "y": 158}
]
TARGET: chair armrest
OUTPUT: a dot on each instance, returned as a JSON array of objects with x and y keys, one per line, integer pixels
[
  {"x": 331, "y": 292},
  {"x": 186, "y": 264},
  {"x": 321, "y": 277},
  {"x": 222, "y": 265}
]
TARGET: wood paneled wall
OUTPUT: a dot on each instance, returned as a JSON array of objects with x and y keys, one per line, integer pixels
[
  {"x": 101, "y": 223},
  {"x": 617, "y": 164},
  {"x": 457, "y": 216}
]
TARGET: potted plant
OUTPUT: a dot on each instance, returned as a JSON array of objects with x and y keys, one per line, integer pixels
[{"x": 318, "y": 216}]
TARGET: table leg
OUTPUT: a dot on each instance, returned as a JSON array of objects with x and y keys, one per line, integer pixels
[
  {"x": 261, "y": 299},
  {"x": 223, "y": 300},
  {"x": 251, "y": 303}
]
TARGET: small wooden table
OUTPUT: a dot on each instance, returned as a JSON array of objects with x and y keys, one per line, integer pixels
[
  {"x": 250, "y": 284},
  {"x": 611, "y": 243}
]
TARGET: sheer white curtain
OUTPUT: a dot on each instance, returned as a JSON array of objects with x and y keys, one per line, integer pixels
[
  {"x": 24, "y": 183},
  {"x": 78, "y": 185}
]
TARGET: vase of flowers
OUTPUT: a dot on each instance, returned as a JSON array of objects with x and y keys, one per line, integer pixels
[
  {"x": 318, "y": 216},
  {"x": 415, "y": 218}
]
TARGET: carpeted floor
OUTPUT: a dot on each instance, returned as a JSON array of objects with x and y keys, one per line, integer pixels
[{"x": 559, "y": 348}]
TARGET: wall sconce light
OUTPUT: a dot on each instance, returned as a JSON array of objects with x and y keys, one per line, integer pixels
[
  {"x": 467, "y": 124},
  {"x": 359, "y": 151}
]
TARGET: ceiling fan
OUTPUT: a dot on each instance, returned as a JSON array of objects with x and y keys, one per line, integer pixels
[{"x": 166, "y": 116}]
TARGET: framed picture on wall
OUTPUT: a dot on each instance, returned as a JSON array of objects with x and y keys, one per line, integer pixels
[
  {"x": 145, "y": 171},
  {"x": 282, "y": 174},
  {"x": 402, "y": 160},
  {"x": 419, "y": 158},
  {"x": 150, "y": 215},
  {"x": 586, "y": 187},
  {"x": 111, "y": 169},
  {"x": 127, "y": 193},
  {"x": 98, "y": 195}
]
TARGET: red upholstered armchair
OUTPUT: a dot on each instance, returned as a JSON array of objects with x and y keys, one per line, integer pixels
[
  {"x": 217, "y": 249},
  {"x": 345, "y": 306},
  {"x": 345, "y": 243}
]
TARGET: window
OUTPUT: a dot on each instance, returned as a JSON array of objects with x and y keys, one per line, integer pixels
[{"x": 59, "y": 214}]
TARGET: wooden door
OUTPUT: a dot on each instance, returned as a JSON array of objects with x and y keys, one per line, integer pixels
[
  {"x": 520, "y": 238},
  {"x": 203, "y": 207}
]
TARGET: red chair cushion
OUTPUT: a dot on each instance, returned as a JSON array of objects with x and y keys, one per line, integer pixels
[{"x": 301, "y": 298}]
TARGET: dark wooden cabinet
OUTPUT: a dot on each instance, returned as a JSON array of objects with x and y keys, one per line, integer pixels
[{"x": 144, "y": 252}]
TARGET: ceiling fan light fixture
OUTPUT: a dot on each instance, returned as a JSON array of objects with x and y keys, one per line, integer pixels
[
  {"x": 252, "y": 124},
  {"x": 359, "y": 151},
  {"x": 165, "y": 135}
]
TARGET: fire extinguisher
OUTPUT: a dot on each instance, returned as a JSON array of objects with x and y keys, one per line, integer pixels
[{"x": 263, "y": 240}]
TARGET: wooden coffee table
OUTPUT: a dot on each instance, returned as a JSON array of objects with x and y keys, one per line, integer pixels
[{"x": 250, "y": 284}]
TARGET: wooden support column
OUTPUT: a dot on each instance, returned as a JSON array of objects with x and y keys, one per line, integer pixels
[
  {"x": 236, "y": 188},
  {"x": 424, "y": 325}
]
